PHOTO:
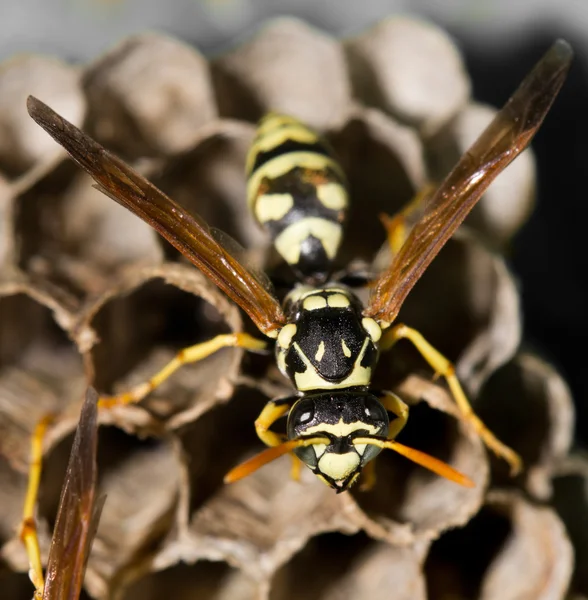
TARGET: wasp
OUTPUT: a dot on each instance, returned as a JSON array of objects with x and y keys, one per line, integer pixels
[
  {"x": 77, "y": 516},
  {"x": 326, "y": 342}
]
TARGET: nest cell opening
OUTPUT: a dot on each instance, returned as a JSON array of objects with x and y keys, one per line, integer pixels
[
  {"x": 204, "y": 579},
  {"x": 210, "y": 180},
  {"x": 40, "y": 224},
  {"x": 379, "y": 182},
  {"x": 458, "y": 561},
  {"x": 524, "y": 397},
  {"x": 143, "y": 330},
  {"x": 41, "y": 372},
  {"x": 338, "y": 566},
  {"x": 218, "y": 441},
  {"x": 31, "y": 339},
  {"x": 140, "y": 479},
  {"x": 463, "y": 287}
]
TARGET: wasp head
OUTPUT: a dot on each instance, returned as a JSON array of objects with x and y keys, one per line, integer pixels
[{"x": 338, "y": 418}]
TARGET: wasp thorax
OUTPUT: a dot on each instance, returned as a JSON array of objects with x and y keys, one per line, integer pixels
[
  {"x": 339, "y": 418},
  {"x": 327, "y": 344}
]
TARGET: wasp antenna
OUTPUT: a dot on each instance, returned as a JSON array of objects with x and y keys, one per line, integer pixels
[
  {"x": 269, "y": 455},
  {"x": 421, "y": 458}
]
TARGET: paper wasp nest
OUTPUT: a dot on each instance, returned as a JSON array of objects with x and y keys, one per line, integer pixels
[{"x": 89, "y": 291}]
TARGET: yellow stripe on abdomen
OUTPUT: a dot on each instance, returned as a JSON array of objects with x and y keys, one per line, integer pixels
[{"x": 290, "y": 241}]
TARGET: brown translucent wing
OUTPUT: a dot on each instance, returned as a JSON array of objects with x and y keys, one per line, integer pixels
[
  {"x": 77, "y": 517},
  {"x": 503, "y": 140},
  {"x": 187, "y": 232}
]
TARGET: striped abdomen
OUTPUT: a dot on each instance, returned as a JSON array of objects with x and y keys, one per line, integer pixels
[{"x": 297, "y": 191}]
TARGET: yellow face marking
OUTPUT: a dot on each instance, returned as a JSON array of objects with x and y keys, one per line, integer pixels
[
  {"x": 314, "y": 303},
  {"x": 372, "y": 329},
  {"x": 284, "y": 163},
  {"x": 320, "y": 352},
  {"x": 341, "y": 429},
  {"x": 338, "y": 301},
  {"x": 338, "y": 466},
  {"x": 332, "y": 195},
  {"x": 273, "y": 207},
  {"x": 289, "y": 241},
  {"x": 319, "y": 449},
  {"x": 346, "y": 350},
  {"x": 311, "y": 380},
  {"x": 286, "y": 334},
  {"x": 360, "y": 448}
]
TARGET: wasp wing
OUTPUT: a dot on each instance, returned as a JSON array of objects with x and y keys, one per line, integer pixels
[
  {"x": 77, "y": 517},
  {"x": 187, "y": 232},
  {"x": 502, "y": 141}
]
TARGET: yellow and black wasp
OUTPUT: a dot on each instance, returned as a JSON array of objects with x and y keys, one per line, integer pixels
[{"x": 327, "y": 343}]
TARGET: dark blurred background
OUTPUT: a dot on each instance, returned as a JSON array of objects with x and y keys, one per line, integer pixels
[{"x": 500, "y": 40}]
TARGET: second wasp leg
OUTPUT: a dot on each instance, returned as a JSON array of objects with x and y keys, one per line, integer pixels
[
  {"x": 443, "y": 366},
  {"x": 188, "y": 355},
  {"x": 28, "y": 529},
  {"x": 271, "y": 412},
  {"x": 392, "y": 403},
  {"x": 397, "y": 227}
]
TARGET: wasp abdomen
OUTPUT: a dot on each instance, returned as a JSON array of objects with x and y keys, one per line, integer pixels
[{"x": 297, "y": 191}]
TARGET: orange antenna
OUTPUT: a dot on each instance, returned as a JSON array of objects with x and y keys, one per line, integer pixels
[
  {"x": 269, "y": 455},
  {"x": 421, "y": 458}
]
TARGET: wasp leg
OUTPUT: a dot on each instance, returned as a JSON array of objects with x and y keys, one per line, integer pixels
[
  {"x": 188, "y": 355},
  {"x": 28, "y": 528},
  {"x": 392, "y": 403},
  {"x": 443, "y": 367},
  {"x": 271, "y": 412},
  {"x": 398, "y": 226},
  {"x": 295, "y": 467}
]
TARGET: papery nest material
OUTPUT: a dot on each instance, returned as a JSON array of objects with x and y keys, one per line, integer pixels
[{"x": 79, "y": 301}]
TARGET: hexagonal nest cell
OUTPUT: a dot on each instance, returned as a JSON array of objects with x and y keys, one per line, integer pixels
[{"x": 91, "y": 295}]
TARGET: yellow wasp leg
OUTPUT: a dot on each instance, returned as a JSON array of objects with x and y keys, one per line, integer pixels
[
  {"x": 443, "y": 367},
  {"x": 392, "y": 403},
  {"x": 397, "y": 226},
  {"x": 191, "y": 354},
  {"x": 28, "y": 528},
  {"x": 271, "y": 412},
  {"x": 295, "y": 467}
]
